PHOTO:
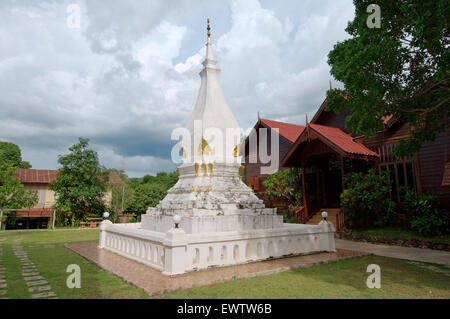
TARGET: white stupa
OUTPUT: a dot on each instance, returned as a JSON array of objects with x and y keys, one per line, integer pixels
[{"x": 222, "y": 221}]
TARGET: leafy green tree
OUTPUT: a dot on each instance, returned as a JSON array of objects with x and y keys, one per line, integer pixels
[
  {"x": 149, "y": 191},
  {"x": 134, "y": 182},
  {"x": 400, "y": 69},
  {"x": 10, "y": 154},
  {"x": 12, "y": 191},
  {"x": 81, "y": 182},
  {"x": 146, "y": 195},
  {"x": 285, "y": 184},
  {"x": 163, "y": 179}
]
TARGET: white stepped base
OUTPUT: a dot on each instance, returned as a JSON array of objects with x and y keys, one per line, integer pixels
[{"x": 176, "y": 252}]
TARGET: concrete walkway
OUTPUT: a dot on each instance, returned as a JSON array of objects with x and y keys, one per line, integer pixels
[{"x": 409, "y": 253}]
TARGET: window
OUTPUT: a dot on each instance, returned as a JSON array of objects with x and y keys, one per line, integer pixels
[{"x": 401, "y": 170}]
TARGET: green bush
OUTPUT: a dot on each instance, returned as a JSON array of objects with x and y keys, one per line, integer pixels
[
  {"x": 367, "y": 199},
  {"x": 285, "y": 184},
  {"x": 423, "y": 213},
  {"x": 145, "y": 196}
]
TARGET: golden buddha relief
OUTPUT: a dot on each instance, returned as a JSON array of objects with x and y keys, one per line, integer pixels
[
  {"x": 204, "y": 148},
  {"x": 236, "y": 150}
]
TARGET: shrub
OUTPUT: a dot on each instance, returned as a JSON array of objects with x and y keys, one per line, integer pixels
[
  {"x": 285, "y": 184},
  {"x": 367, "y": 199},
  {"x": 423, "y": 213}
]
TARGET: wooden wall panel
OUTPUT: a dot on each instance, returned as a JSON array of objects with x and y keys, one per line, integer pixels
[
  {"x": 432, "y": 159},
  {"x": 336, "y": 120}
]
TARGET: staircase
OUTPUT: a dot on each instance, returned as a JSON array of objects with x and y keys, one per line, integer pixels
[{"x": 316, "y": 218}]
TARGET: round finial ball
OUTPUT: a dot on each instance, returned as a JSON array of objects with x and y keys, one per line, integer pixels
[
  {"x": 176, "y": 219},
  {"x": 106, "y": 214},
  {"x": 324, "y": 214}
]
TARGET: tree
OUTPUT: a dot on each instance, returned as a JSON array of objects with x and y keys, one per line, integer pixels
[
  {"x": 400, "y": 69},
  {"x": 285, "y": 184},
  {"x": 81, "y": 181},
  {"x": 125, "y": 190},
  {"x": 145, "y": 196},
  {"x": 12, "y": 191},
  {"x": 10, "y": 154},
  {"x": 150, "y": 190},
  {"x": 163, "y": 179}
]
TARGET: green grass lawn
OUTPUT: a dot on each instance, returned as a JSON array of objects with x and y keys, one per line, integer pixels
[
  {"x": 344, "y": 279},
  {"x": 400, "y": 233},
  {"x": 52, "y": 263}
]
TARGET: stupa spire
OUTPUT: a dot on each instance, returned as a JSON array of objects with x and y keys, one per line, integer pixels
[
  {"x": 211, "y": 109},
  {"x": 209, "y": 59}
]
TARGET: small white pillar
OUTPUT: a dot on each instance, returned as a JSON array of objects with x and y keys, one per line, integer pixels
[
  {"x": 53, "y": 219},
  {"x": 102, "y": 227},
  {"x": 175, "y": 256},
  {"x": 327, "y": 242}
]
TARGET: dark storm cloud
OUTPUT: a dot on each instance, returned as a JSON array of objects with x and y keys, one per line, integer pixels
[{"x": 129, "y": 76}]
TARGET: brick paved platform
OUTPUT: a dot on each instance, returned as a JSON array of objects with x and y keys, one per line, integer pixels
[{"x": 153, "y": 282}]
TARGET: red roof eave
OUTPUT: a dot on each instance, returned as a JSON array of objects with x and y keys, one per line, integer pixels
[
  {"x": 348, "y": 146},
  {"x": 359, "y": 151}
]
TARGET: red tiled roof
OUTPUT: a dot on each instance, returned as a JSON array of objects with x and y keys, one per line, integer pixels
[
  {"x": 34, "y": 213},
  {"x": 446, "y": 175},
  {"x": 342, "y": 140},
  {"x": 114, "y": 179},
  {"x": 289, "y": 131},
  {"x": 45, "y": 176}
]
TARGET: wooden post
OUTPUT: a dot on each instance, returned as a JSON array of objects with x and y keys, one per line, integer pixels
[
  {"x": 324, "y": 189},
  {"x": 53, "y": 219},
  {"x": 305, "y": 204},
  {"x": 1, "y": 217},
  {"x": 342, "y": 173}
]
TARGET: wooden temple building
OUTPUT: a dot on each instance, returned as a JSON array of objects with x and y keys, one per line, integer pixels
[{"x": 326, "y": 150}]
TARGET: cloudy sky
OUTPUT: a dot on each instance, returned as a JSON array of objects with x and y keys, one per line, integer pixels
[{"x": 129, "y": 74}]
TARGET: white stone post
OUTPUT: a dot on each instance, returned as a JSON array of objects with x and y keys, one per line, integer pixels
[
  {"x": 327, "y": 242},
  {"x": 102, "y": 227},
  {"x": 175, "y": 257}
]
